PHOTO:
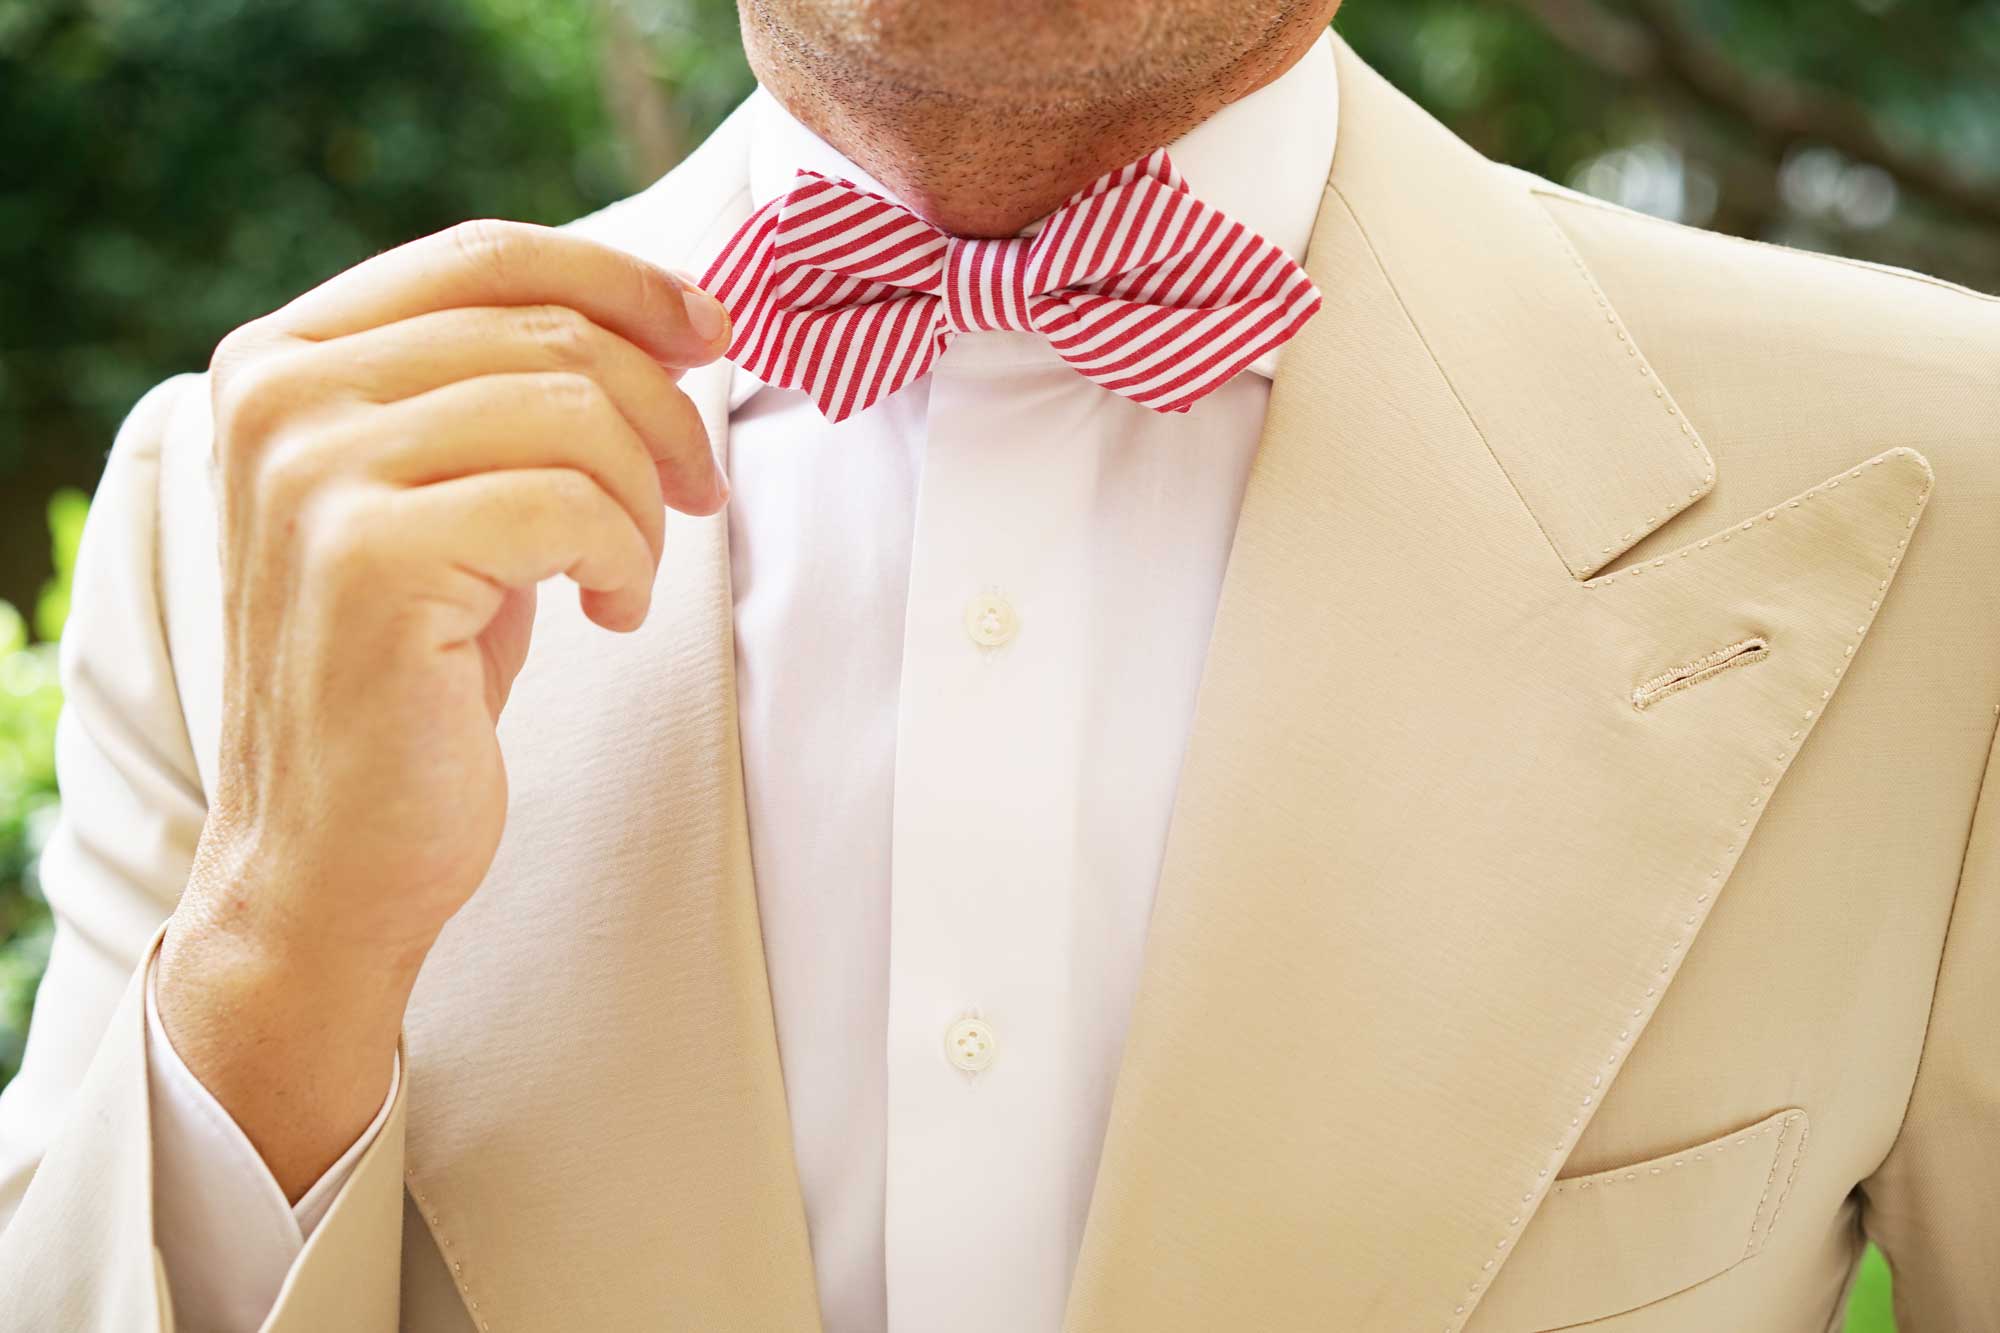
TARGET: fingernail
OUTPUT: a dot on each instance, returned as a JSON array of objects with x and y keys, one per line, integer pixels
[
  {"x": 721, "y": 487},
  {"x": 705, "y": 314}
]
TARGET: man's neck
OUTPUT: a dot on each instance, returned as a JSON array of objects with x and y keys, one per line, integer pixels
[{"x": 980, "y": 167}]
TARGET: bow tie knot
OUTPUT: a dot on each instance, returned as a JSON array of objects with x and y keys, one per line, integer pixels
[
  {"x": 983, "y": 283},
  {"x": 1137, "y": 284}
]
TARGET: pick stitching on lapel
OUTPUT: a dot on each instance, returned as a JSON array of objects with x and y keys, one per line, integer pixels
[{"x": 1431, "y": 870}]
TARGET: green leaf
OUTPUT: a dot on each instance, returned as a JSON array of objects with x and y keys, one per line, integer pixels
[
  {"x": 68, "y": 508},
  {"x": 13, "y": 630}
]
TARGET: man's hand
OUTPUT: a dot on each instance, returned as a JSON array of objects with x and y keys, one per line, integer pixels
[{"x": 402, "y": 454}]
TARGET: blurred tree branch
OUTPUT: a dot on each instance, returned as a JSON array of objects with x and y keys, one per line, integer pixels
[
  {"x": 1651, "y": 42},
  {"x": 633, "y": 98}
]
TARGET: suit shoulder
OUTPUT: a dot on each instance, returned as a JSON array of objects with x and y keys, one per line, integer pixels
[
  {"x": 149, "y": 447},
  {"x": 143, "y": 431},
  {"x": 1762, "y": 342},
  {"x": 1605, "y": 228}
]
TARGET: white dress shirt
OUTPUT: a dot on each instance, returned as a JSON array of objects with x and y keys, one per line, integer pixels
[{"x": 970, "y": 622}]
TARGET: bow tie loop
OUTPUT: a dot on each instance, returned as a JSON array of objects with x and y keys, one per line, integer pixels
[
  {"x": 1137, "y": 284},
  {"x": 985, "y": 283}
]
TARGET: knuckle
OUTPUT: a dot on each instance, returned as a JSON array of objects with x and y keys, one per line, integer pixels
[
  {"x": 249, "y": 402},
  {"x": 288, "y": 475},
  {"x": 339, "y": 535},
  {"x": 572, "y": 493},
  {"x": 235, "y": 348},
  {"x": 492, "y": 244},
  {"x": 563, "y": 334},
  {"x": 572, "y": 392}
]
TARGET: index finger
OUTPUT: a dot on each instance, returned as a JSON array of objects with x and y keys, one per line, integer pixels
[{"x": 489, "y": 262}]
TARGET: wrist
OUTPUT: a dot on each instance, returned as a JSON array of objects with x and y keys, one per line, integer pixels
[
  {"x": 297, "y": 1045},
  {"x": 252, "y": 979},
  {"x": 256, "y": 904}
]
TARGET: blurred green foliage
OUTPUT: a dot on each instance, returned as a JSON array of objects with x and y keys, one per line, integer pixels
[
  {"x": 174, "y": 169},
  {"x": 29, "y": 703},
  {"x": 1865, "y": 127}
]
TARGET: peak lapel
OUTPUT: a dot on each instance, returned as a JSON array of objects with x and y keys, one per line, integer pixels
[
  {"x": 1433, "y": 865},
  {"x": 597, "y": 1135}
]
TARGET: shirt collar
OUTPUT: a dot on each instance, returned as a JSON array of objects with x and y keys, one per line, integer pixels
[{"x": 1263, "y": 160}]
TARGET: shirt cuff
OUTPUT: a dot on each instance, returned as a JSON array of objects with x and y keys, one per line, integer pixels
[{"x": 226, "y": 1234}]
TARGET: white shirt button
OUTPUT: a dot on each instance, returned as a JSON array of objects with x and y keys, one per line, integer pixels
[
  {"x": 990, "y": 620},
  {"x": 969, "y": 1045}
]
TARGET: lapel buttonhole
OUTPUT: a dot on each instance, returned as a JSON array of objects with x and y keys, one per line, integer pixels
[{"x": 1741, "y": 653}]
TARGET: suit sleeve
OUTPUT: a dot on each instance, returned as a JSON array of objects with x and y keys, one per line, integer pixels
[
  {"x": 226, "y": 1235},
  {"x": 1933, "y": 1206},
  {"x": 78, "y": 1247}
]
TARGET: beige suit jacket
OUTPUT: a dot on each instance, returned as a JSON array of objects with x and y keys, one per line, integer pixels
[{"x": 1581, "y": 907}]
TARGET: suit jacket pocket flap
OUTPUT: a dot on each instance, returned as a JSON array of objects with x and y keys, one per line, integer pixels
[{"x": 1613, "y": 1241}]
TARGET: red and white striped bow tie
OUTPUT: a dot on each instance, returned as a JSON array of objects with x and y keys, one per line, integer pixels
[{"x": 1137, "y": 284}]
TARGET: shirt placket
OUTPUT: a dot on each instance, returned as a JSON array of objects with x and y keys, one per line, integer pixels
[{"x": 990, "y": 729}]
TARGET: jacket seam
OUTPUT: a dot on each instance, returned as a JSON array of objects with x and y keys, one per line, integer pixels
[
  {"x": 454, "y": 1266},
  {"x": 1759, "y": 1235},
  {"x": 1944, "y": 940},
  {"x": 1779, "y": 509},
  {"x": 1549, "y": 190},
  {"x": 1640, "y": 363},
  {"x": 1423, "y": 340}
]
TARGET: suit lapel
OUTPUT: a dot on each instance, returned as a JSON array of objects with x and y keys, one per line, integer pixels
[
  {"x": 1432, "y": 864},
  {"x": 597, "y": 1134}
]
